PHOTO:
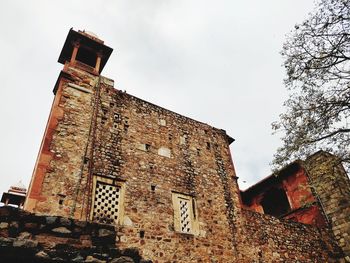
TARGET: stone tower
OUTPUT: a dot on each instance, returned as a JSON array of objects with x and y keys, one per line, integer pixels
[
  {"x": 332, "y": 185},
  {"x": 62, "y": 166},
  {"x": 166, "y": 181}
]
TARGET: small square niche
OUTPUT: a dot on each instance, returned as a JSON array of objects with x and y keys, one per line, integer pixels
[
  {"x": 163, "y": 151},
  {"x": 162, "y": 122},
  {"x": 144, "y": 147},
  {"x": 182, "y": 140}
]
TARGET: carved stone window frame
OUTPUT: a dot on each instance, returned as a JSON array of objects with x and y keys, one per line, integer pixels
[
  {"x": 116, "y": 183},
  {"x": 192, "y": 213}
]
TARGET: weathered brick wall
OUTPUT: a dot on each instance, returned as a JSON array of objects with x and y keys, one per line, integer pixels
[
  {"x": 332, "y": 185},
  {"x": 263, "y": 238}
]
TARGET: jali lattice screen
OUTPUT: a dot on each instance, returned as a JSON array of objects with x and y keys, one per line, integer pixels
[
  {"x": 106, "y": 203},
  {"x": 185, "y": 221}
]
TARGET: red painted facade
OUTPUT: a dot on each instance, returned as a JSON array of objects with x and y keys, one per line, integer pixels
[{"x": 286, "y": 194}]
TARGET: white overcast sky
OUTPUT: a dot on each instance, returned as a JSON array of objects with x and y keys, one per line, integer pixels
[{"x": 215, "y": 61}]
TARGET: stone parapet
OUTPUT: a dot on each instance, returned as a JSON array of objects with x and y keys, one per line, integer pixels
[{"x": 264, "y": 238}]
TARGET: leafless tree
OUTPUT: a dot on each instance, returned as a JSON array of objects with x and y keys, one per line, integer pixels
[{"x": 317, "y": 61}]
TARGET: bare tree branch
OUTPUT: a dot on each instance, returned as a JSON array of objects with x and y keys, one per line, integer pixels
[
  {"x": 317, "y": 62},
  {"x": 329, "y": 135}
]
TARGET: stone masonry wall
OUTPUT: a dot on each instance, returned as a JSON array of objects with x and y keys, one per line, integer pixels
[
  {"x": 157, "y": 152},
  {"x": 154, "y": 153},
  {"x": 331, "y": 183},
  {"x": 61, "y": 169},
  {"x": 263, "y": 238},
  {"x": 25, "y": 237}
]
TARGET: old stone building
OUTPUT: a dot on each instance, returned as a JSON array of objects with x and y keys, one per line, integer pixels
[
  {"x": 315, "y": 191},
  {"x": 119, "y": 179}
]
